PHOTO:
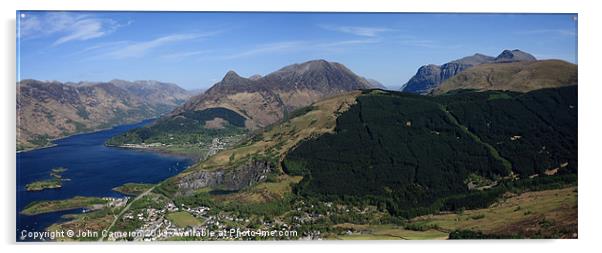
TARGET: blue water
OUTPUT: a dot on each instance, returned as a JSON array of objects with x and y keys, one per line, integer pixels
[{"x": 93, "y": 168}]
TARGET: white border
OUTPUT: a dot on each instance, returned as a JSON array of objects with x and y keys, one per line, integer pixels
[{"x": 590, "y": 92}]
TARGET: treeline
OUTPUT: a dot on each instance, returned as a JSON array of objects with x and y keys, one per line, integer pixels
[{"x": 186, "y": 128}]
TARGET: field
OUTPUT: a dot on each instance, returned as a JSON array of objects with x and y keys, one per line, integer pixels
[
  {"x": 541, "y": 214},
  {"x": 387, "y": 232},
  {"x": 183, "y": 219}
]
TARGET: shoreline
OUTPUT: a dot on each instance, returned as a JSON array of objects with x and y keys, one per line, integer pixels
[
  {"x": 194, "y": 157},
  {"x": 52, "y": 140}
]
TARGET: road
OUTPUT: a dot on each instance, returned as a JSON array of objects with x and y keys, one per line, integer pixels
[{"x": 127, "y": 207}]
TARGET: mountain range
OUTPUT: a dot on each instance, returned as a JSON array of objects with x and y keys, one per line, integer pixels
[
  {"x": 316, "y": 132},
  {"x": 521, "y": 76},
  {"x": 48, "y": 109},
  {"x": 237, "y": 104},
  {"x": 429, "y": 77}
]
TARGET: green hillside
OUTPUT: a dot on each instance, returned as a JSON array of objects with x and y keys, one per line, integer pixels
[
  {"x": 411, "y": 154},
  {"x": 186, "y": 128}
]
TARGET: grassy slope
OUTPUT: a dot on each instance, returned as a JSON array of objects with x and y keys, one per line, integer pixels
[
  {"x": 282, "y": 137},
  {"x": 517, "y": 76},
  {"x": 550, "y": 213},
  {"x": 274, "y": 142}
]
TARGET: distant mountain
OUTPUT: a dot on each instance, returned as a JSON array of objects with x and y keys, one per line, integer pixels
[
  {"x": 48, "y": 110},
  {"x": 255, "y": 77},
  {"x": 430, "y": 76},
  {"x": 375, "y": 84},
  {"x": 522, "y": 76},
  {"x": 514, "y": 56},
  {"x": 265, "y": 100},
  {"x": 155, "y": 92},
  {"x": 237, "y": 104}
]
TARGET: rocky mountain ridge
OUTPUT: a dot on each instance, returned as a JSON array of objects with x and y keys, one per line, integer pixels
[{"x": 429, "y": 77}]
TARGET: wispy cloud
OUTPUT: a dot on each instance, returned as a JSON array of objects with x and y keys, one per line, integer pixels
[
  {"x": 348, "y": 42},
  {"x": 562, "y": 32},
  {"x": 141, "y": 48},
  {"x": 411, "y": 41},
  {"x": 181, "y": 55},
  {"x": 365, "y": 31},
  {"x": 66, "y": 26},
  {"x": 134, "y": 49},
  {"x": 285, "y": 46},
  {"x": 299, "y": 46}
]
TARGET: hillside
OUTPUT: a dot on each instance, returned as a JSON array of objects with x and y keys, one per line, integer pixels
[
  {"x": 49, "y": 110},
  {"x": 514, "y": 76},
  {"x": 416, "y": 150},
  {"x": 429, "y": 77},
  {"x": 408, "y": 154},
  {"x": 259, "y": 101}
]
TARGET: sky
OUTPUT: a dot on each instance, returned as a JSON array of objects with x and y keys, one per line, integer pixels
[{"x": 196, "y": 49}]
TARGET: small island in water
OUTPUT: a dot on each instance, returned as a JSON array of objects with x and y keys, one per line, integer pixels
[{"x": 56, "y": 181}]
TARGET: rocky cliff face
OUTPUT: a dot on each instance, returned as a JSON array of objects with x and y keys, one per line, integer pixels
[
  {"x": 231, "y": 179},
  {"x": 430, "y": 76},
  {"x": 427, "y": 78},
  {"x": 48, "y": 110}
]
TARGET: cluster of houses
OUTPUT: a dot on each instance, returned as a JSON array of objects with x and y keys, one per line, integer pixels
[
  {"x": 156, "y": 226},
  {"x": 216, "y": 145}
]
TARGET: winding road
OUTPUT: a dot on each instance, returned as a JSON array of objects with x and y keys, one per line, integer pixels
[{"x": 127, "y": 207}]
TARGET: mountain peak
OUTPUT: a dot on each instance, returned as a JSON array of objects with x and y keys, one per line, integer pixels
[
  {"x": 514, "y": 56},
  {"x": 318, "y": 74},
  {"x": 266, "y": 100},
  {"x": 312, "y": 65},
  {"x": 232, "y": 78},
  {"x": 231, "y": 74},
  {"x": 474, "y": 59}
]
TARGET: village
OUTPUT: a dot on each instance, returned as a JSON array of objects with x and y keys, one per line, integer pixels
[{"x": 194, "y": 223}]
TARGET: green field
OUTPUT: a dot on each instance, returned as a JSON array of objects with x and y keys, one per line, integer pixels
[
  {"x": 183, "y": 219},
  {"x": 387, "y": 232}
]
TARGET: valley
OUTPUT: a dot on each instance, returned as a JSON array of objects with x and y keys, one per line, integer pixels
[
  {"x": 340, "y": 160},
  {"x": 50, "y": 110}
]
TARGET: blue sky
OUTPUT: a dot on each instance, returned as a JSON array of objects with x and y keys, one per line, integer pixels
[{"x": 195, "y": 50}]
